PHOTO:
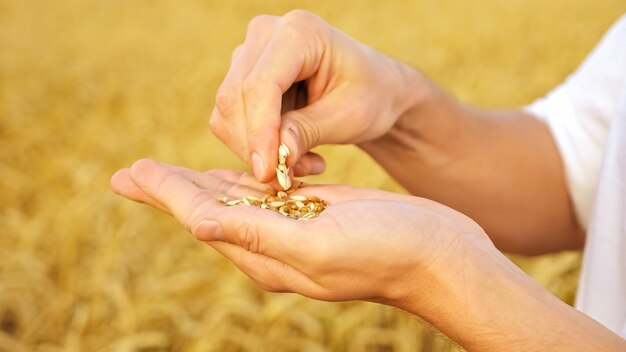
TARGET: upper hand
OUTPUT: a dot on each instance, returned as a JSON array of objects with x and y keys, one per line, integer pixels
[
  {"x": 299, "y": 80},
  {"x": 368, "y": 244}
]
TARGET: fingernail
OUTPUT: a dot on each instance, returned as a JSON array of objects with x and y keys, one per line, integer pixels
[
  {"x": 257, "y": 165},
  {"x": 208, "y": 230}
]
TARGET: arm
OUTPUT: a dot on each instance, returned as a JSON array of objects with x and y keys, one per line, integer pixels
[
  {"x": 486, "y": 303},
  {"x": 501, "y": 168}
]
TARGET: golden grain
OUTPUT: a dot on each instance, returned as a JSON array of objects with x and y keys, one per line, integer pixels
[
  {"x": 282, "y": 171},
  {"x": 293, "y": 206},
  {"x": 283, "y": 203}
]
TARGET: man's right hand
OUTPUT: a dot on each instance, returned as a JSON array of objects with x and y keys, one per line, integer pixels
[{"x": 298, "y": 80}]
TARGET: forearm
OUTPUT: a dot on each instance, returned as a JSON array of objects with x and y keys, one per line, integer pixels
[
  {"x": 501, "y": 168},
  {"x": 485, "y": 303}
]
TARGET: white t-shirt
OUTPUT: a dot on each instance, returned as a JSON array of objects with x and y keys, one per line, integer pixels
[{"x": 587, "y": 117}]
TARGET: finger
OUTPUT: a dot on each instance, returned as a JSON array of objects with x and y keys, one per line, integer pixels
[
  {"x": 260, "y": 231},
  {"x": 254, "y": 229},
  {"x": 178, "y": 194},
  {"x": 229, "y": 183},
  {"x": 268, "y": 273},
  {"x": 291, "y": 55},
  {"x": 320, "y": 122},
  {"x": 231, "y": 133},
  {"x": 236, "y": 53},
  {"x": 309, "y": 164},
  {"x": 122, "y": 184},
  {"x": 228, "y": 121},
  {"x": 240, "y": 178},
  {"x": 228, "y": 99},
  {"x": 257, "y": 230}
]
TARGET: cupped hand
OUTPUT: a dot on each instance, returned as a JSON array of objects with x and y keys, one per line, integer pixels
[
  {"x": 368, "y": 244},
  {"x": 297, "y": 79}
]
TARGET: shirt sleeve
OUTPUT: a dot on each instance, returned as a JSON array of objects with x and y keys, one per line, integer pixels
[{"x": 579, "y": 113}]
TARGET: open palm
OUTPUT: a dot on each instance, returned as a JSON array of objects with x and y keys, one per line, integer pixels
[{"x": 365, "y": 245}]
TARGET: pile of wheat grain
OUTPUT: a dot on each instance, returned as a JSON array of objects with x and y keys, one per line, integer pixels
[{"x": 87, "y": 87}]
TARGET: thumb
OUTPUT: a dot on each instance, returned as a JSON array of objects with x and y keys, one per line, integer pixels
[
  {"x": 255, "y": 230},
  {"x": 300, "y": 131}
]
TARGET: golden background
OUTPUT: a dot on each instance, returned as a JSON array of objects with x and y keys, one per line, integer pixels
[{"x": 87, "y": 87}]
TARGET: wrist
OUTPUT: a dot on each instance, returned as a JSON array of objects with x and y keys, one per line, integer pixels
[
  {"x": 422, "y": 115},
  {"x": 413, "y": 91},
  {"x": 481, "y": 300},
  {"x": 426, "y": 288},
  {"x": 431, "y": 290},
  {"x": 458, "y": 296}
]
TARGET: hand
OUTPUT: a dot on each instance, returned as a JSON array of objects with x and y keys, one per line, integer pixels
[
  {"x": 297, "y": 79},
  {"x": 368, "y": 244}
]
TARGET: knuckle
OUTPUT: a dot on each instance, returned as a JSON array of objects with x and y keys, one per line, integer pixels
[
  {"x": 217, "y": 127},
  {"x": 141, "y": 165},
  {"x": 299, "y": 16},
  {"x": 249, "y": 237},
  {"x": 236, "y": 52},
  {"x": 259, "y": 21},
  {"x": 252, "y": 86},
  {"x": 196, "y": 210},
  {"x": 226, "y": 100},
  {"x": 305, "y": 29}
]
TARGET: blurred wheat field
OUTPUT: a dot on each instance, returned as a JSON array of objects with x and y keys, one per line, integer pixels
[{"x": 87, "y": 87}]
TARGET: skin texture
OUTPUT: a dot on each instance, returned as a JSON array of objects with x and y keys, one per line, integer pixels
[
  {"x": 298, "y": 80},
  {"x": 265, "y": 248},
  {"x": 299, "y": 66},
  {"x": 399, "y": 250},
  {"x": 499, "y": 167}
]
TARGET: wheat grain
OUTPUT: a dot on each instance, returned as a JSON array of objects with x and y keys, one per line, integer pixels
[
  {"x": 282, "y": 171},
  {"x": 293, "y": 206}
]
